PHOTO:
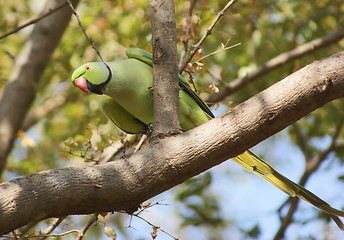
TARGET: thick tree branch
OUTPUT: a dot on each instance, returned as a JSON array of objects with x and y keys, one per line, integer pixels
[
  {"x": 23, "y": 83},
  {"x": 165, "y": 70},
  {"x": 276, "y": 62},
  {"x": 124, "y": 184}
]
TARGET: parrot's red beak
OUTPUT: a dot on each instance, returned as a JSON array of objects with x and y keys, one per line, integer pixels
[{"x": 81, "y": 83}]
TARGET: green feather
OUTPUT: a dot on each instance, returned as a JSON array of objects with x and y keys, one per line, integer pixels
[
  {"x": 121, "y": 118},
  {"x": 147, "y": 57}
]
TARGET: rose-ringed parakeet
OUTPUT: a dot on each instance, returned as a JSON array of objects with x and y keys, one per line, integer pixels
[{"x": 128, "y": 102}]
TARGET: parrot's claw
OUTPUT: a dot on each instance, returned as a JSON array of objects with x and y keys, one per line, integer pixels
[{"x": 149, "y": 129}]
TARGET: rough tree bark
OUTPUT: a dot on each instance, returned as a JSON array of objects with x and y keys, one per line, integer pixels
[
  {"x": 165, "y": 70},
  {"x": 23, "y": 83},
  {"x": 124, "y": 184}
]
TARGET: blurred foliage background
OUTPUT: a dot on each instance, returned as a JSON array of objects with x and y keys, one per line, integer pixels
[{"x": 76, "y": 132}]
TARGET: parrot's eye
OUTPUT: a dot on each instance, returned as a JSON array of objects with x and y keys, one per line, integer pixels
[{"x": 87, "y": 68}]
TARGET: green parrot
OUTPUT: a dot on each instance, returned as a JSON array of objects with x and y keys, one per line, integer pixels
[{"x": 128, "y": 102}]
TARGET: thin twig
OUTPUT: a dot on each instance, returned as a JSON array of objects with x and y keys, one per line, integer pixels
[
  {"x": 150, "y": 206},
  {"x": 154, "y": 226},
  {"x": 11, "y": 56},
  {"x": 187, "y": 32},
  {"x": 139, "y": 145},
  {"x": 191, "y": 80},
  {"x": 208, "y": 32},
  {"x": 110, "y": 151},
  {"x": 188, "y": 22},
  {"x": 63, "y": 234},
  {"x": 83, "y": 30},
  {"x": 82, "y": 232},
  {"x": 217, "y": 51},
  {"x": 51, "y": 228},
  {"x": 34, "y": 20},
  {"x": 151, "y": 224},
  {"x": 37, "y": 237}
]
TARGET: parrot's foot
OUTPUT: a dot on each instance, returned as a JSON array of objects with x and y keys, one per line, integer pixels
[{"x": 150, "y": 128}]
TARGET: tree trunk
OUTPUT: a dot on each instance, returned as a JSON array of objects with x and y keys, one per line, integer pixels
[
  {"x": 23, "y": 83},
  {"x": 165, "y": 71}
]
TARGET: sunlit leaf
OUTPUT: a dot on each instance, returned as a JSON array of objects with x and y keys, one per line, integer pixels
[
  {"x": 26, "y": 140},
  {"x": 110, "y": 232}
]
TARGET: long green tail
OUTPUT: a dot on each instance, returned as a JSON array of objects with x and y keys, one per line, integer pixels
[{"x": 253, "y": 163}]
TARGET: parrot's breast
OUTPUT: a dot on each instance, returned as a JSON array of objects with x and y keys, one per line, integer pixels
[{"x": 130, "y": 86}]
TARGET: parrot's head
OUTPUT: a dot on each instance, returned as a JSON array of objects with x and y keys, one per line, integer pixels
[{"x": 92, "y": 77}]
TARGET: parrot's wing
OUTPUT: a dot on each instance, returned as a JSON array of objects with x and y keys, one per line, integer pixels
[
  {"x": 186, "y": 87},
  {"x": 140, "y": 54},
  {"x": 253, "y": 163},
  {"x": 121, "y": 118},
  {"x": 147, "y": 57}
]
